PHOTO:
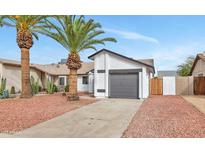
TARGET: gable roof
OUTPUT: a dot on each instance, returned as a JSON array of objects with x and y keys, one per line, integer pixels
[
  {"x": 199, "y": 56},
  {"x": 53, "y": 69},
  {"x": 146, "y": 62}
]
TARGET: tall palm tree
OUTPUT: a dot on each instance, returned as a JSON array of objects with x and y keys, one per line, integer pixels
[
  {"x": 75, "y": 34},
  {"x": 26, "y": 26}
]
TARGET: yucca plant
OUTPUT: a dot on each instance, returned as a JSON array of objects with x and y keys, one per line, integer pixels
[
  {"x": 75, "y": 34},
  {"x": 27, "y": 27},
  {"x": 2, "y": 85}
]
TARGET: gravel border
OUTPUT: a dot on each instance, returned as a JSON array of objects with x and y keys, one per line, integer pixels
[
  {"x": 18, "y": 114},
  {"x": 166, "y": 116}
]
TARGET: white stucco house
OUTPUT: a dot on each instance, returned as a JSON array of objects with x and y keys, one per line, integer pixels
[
  {"x": 109, "y": 75},
  {"x": 119, "y": 76}
]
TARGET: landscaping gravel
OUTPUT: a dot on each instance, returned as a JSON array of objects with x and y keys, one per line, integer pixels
[
  {"x": 18, "y": 114},
  {"x": 167, "y": 116}
]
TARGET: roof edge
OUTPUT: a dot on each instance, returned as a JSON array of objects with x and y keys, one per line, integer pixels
[
  {"x": 90, "y": 57},
  {"x": 198, "y": 57}
]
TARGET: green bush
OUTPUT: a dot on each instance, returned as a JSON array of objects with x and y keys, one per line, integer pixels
[
  {"x": 4, "y": 94},
  {"x": 12, "y": 91},
  {"x": 55, "y": 88},
  {"x": 34, "y": 85},
  {"x": 51, "y": 87},
  {"x": 66, "y": 89}
]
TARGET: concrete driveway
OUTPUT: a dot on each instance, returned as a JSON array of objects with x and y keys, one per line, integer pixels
[{"x": 106, "y": 118}]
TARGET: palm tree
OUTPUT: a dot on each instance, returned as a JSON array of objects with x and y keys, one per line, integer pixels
[
  {"x": 26, "y": 26},
  {"x": 75, "y": 34}
]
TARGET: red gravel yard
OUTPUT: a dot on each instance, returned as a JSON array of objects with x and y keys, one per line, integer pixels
[
  {"x": 167, "y": 116},
  {"x": 18, "y": 114}
]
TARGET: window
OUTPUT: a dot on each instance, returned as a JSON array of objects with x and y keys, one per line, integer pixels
[
  {"x": 61, "y": 81},
  {"x": 85, "y": 80}
]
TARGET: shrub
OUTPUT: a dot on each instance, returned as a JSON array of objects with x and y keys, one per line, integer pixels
[
  {"x": 51, "y": 87},
  {"x": 34, "y": 85},
  {"x": 66, "y": 89},
  {"x": 12, "y": 91},
  {"x": 55, "y": 88},
  {"x": 4, "y": 94}
]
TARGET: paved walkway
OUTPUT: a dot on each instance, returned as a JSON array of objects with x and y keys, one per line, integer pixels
[{"x": 106, "y": 118}]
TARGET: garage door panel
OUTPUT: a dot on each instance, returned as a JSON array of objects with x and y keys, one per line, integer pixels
[{"x": 124, "y": 85}]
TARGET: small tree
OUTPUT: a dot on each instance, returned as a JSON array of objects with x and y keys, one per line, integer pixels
[{"x": 185, "y": 68}]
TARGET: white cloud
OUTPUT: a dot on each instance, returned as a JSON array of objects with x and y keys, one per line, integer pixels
[
  {"x": 132, "y": 35},
  {"x": 168, "y": 58}
]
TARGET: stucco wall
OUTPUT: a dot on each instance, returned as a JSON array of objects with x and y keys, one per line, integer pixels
[
  {"x": 13, "y": 76},
  {"x": 82, "y": 87},
  {"x": 1, "y": 70},
  {"x": 199, "y": 68},
  {"x": 37, "y": 76},
  {"x": 99, "y": 78},
  {"x": 90, "y": 82},
  {"x": 106, "y": 61}
]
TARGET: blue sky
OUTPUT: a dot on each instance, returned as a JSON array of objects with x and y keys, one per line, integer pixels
[{"x": 167, "y": 39}]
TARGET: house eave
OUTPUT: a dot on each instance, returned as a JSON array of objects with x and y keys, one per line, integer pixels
[{"x": 106, "y": 50}]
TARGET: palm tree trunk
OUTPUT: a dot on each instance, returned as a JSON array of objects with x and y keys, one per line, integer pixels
[
  {"x": 73, "y": 94},
  {"x": 25, "y": 74}
]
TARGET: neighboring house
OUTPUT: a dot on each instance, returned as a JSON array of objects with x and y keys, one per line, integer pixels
[
  {"x": 119, "y": 76},
  {"x": 198, "y": 67},
  {"x": 166, "y": 73},
  {"x": 58, "y": 73}
]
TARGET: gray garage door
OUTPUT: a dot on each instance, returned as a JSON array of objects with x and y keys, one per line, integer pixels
[{"x": 124, "y": 85}]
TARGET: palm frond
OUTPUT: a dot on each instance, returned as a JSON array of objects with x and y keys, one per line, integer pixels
[
  {"x": 30, "y": 23},
  {"x": 74, "y": 32}
]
